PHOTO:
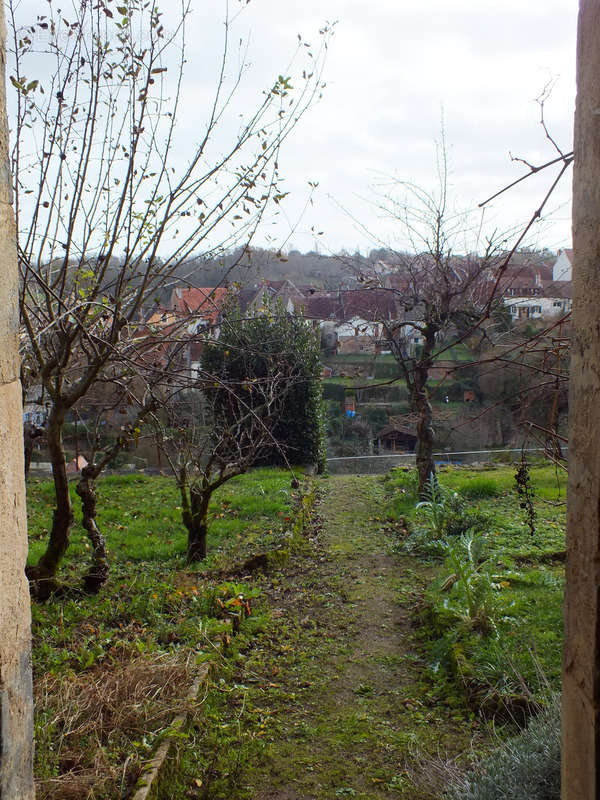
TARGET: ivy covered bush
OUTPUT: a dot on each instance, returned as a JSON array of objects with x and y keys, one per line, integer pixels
[{"x": 245, "y": 344}]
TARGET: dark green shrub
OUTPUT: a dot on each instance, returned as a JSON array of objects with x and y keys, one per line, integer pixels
[
  {"x": 243, "y": 353},
  {"x": 333, "y": 391},
  {"x": 375, "y": 416}
]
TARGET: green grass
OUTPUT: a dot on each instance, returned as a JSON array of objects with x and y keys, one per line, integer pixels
[
  {"x": 140, "y": 516},
  {"x": 526, "y": 574},
  {"x": 478, "y": 488},
  {"x": 154, "y": 620}
]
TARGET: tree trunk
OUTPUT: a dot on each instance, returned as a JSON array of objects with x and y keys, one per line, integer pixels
[
  {"x": 97, "y": 574},
  {"x": 42, "y": 575},
  {"x": 425, "y": 434},
  {"x": 194, "y": 504},
  {"x": 421, "y": 404},
  {"x": 197, "y": 524},
  {"x": 581, "y": 654},
  {"x": 31, "y": 432}
]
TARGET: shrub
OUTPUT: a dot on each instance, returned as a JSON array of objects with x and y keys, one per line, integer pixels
[
  {"x": 526, "y": 767},
  {"x": 246, "y": 350},
  {"x": 460, "y": 519},
  {"x": 333, "y": 391}
]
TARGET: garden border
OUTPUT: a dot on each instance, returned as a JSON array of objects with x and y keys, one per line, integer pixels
[{"x": 149, "y": 783}]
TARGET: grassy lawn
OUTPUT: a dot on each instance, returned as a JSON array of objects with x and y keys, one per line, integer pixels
[
  {"x": 110, "y": 670},
  {"x": 507, "y": 647}
]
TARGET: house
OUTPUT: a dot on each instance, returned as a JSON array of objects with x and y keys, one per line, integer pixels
[
  {"x": 254, "y": 300},
  {"x": 562, "y": 269},
  {"x": 553, "y": 299},
  {"x": 201, "y": 306},
  {"x": 197, "y": 311},
  {"x": 362, "y": 315}
]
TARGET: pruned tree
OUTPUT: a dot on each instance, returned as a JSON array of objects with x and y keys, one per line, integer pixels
[
  {"x": 437, "y": 292},
  {"x": 256, "y": 400},
  {"x": 107, "y": 205},
  {"x": 222, "y": 435}
]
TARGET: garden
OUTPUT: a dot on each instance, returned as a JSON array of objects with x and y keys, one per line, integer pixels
[{"x": 467, "y": 585}]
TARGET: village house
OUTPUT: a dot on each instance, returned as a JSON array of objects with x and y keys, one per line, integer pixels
[
  {"x": 538, "y": 289},
  {"x": 198, "y": 311}
]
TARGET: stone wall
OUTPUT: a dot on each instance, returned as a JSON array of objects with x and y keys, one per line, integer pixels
[{"x": 16, "y": 712}]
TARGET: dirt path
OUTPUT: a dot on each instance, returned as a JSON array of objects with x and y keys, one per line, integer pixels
[{"x": 330, "y": 700}]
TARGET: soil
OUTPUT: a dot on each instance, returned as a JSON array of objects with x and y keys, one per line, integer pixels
[{"x": 332, "y": 698}]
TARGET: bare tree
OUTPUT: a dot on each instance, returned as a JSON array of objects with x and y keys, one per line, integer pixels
[
  {"x": 257, "y": 395},
  {"x": 105, "y": 211},
  {"x": 437, "y": 293}
]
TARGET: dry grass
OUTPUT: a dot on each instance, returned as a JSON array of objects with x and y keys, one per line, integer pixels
[{"x": 100, "y": 724}]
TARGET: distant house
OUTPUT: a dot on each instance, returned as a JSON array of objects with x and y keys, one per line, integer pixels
[
  {"x": 254, "y": 300},
  {"x": 197, "y": 311},
  {"x": 200, "y": 306},
  {"x": 553, "y": 299}
]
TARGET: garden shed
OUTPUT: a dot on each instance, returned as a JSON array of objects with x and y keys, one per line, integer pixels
[{"x": 396, "y": 439}]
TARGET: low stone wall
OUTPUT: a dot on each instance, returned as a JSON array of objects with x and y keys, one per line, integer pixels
[{"x": 370, "y": 465}]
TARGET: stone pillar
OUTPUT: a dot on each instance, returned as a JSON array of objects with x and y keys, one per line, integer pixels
[
  {"x": 16, "y": 706},
  {"x": 581, "y": 655}
]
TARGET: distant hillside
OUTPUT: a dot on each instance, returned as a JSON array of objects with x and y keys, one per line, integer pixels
[{"x": 248, "y": 268}]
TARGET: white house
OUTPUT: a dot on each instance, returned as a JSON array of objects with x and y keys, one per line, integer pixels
[
  {"x": 554, "y": 301},
  {"x": 562, "y": 269}
]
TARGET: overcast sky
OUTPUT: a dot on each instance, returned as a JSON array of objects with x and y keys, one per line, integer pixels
[{"x": 393, "y": 68}]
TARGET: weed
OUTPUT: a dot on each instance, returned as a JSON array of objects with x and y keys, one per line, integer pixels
[
  {"x": 434, "y": 509},
  {"x": 527, "y": 577},
  {"x": 446, "y": 513}
]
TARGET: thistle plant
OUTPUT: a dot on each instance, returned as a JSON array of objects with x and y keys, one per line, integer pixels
[
  {"x": 469, "y": 581},
  {"x": 436, "y": 507}
]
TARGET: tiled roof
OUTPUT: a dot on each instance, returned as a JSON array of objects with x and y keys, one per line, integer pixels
[
  {"x": 368, "y": 304},
  {"x": 563, "y": 289},
  {"x": 323, "y": 306},
  {"x": 206, "y": 302}
]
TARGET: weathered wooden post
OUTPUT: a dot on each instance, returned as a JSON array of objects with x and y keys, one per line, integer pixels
[
  {"x": 16, "y": 708},
  {"x": 581, "y": 657}
]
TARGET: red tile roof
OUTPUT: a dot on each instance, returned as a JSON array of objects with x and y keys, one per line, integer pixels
[{"x": 205, "y": 302}]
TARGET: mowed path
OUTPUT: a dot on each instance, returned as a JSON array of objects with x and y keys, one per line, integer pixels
[{"x": 336, "y": 680}]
